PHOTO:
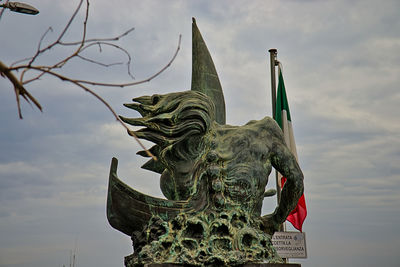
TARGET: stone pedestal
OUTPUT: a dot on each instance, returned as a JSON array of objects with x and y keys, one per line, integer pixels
[{"x": 243, "y": 265}]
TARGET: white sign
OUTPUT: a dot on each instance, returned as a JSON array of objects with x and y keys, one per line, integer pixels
[{"x": 290, "y": 244}]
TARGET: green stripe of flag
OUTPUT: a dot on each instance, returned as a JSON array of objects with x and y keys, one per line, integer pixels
[{"x": 281, "y": 101}]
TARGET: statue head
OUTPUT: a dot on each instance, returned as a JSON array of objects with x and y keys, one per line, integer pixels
[{"x": 175, "y": 122}]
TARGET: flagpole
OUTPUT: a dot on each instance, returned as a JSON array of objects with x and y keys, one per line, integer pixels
[{"x": 273, "y": 63}]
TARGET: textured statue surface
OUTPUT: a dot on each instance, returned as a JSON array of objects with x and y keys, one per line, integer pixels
[{"x": 213, "y": 176}]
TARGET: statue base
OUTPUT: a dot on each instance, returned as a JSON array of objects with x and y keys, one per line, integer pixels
[{"x": 242, "y": 265}]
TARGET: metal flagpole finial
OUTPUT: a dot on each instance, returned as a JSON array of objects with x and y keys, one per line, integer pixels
[
  {"x": 274, "y": 52},
  {"x": 273, "y": 62}
]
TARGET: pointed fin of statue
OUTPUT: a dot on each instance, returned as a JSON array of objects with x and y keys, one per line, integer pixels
[{"x": 204, "y": 75}]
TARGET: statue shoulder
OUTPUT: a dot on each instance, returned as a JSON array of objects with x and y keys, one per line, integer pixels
[{"x": 268, "y": 125}]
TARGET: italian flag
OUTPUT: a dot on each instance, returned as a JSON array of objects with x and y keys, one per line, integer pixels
[{"x": 282, "y": 117}]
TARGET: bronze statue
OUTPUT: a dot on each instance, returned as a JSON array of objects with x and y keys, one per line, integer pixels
[{"x": 213, "y": 175}]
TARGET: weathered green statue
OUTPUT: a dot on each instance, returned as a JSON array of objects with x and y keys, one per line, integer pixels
[{"x": 213, "y": 176}]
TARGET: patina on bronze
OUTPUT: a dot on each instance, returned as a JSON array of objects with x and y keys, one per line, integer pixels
[{"x": 213, "y": 175}]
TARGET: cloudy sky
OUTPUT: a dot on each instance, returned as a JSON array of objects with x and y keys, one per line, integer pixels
[{"x": 341, "y": 65}]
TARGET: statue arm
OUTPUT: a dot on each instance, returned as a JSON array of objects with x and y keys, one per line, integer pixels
[{"x": 285, "y": 162}]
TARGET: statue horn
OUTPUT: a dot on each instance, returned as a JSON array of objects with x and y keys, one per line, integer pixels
[{"x": 204, "y": 75}]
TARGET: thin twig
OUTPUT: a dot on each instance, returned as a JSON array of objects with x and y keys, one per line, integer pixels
[
  {"x": 69, "y": 23},
  {"x": 3, "y": 8},
  {"x": 100, "y": 43},
  {"x": 38, "y": 52},
  {"x": 50, "y": 29},
  {"x": 82, "y": 43},
  {"x": 63, "y": 31},
  {"x": 100, "y": 39},
  {"x": 138, "y": 82},
  {"x": 18, "y": 88},
  {"x": 99, "y": 63}
]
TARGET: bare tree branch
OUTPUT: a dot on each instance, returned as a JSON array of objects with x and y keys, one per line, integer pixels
[
  {"x": 114, "y": 84},
  {"x": 45, "y": 69},
  {"x": 82, "y": 45},
  {"x": 41, "y": 51},
  {"x": 18, "y": 88}
]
